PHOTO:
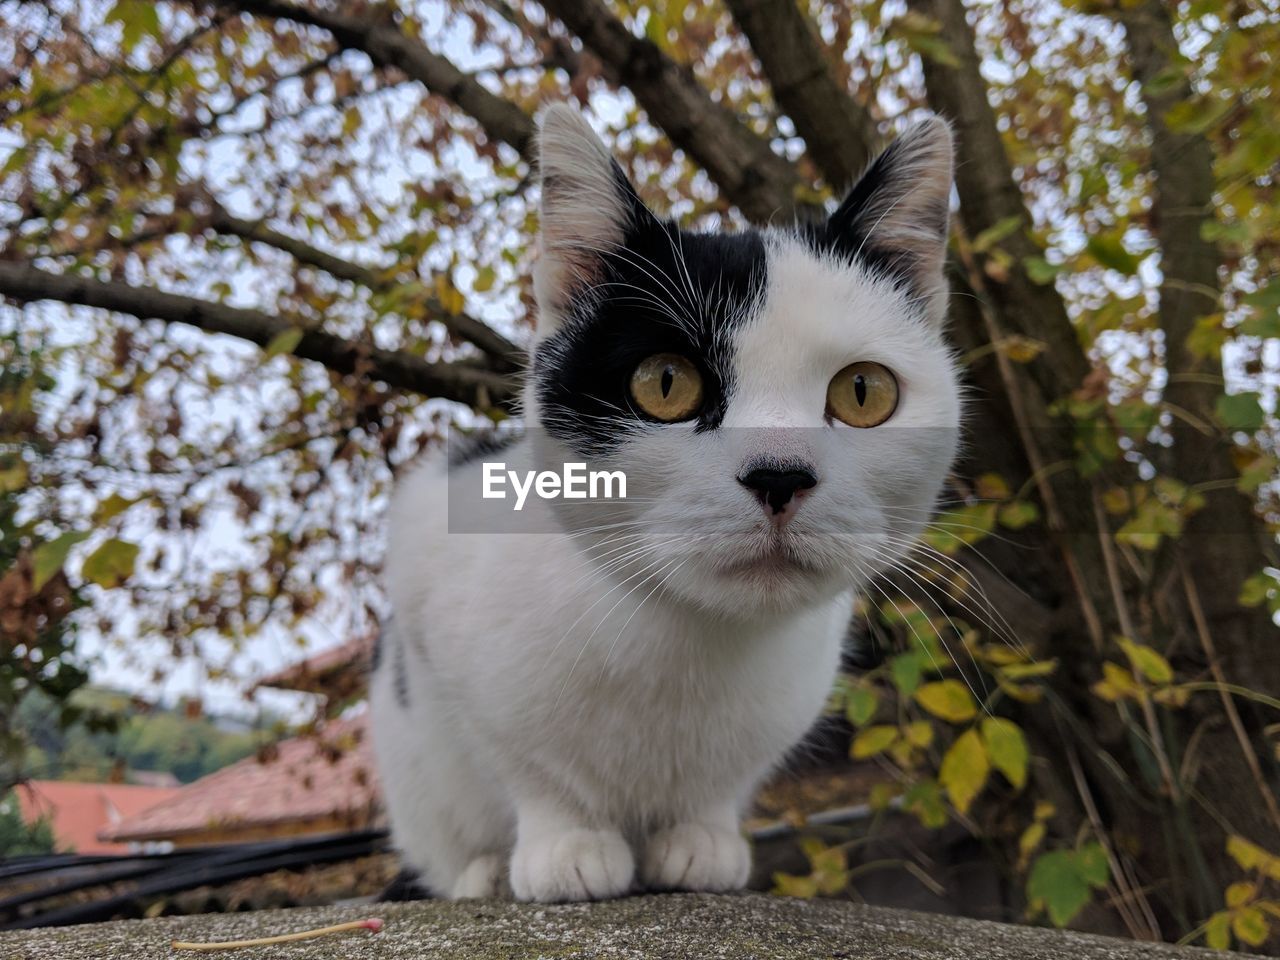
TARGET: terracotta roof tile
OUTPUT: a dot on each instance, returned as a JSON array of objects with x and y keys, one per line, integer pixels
[
  {"x": 329, "y": 774},
  {"x": 79, "y": 811}
]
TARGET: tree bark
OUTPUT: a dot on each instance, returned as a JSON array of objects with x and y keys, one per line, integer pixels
[
  {"x": 838, "y": 131},
  {"x": 762, "y": 184}
]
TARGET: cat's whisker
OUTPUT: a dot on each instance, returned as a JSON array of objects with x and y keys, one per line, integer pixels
[{"x": 1003, "y": 630}]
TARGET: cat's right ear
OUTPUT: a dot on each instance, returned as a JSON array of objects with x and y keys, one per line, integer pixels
[{"x": 588, "y": 205}]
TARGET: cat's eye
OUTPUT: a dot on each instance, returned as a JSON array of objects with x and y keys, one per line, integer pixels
[
  {"x": 863, "y": 394},
  {"x": 667, "y": 387}
]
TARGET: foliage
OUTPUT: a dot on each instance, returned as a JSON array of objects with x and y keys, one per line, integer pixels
[
  {"x": 19, "y": 838},
  {"x": 1080, "y": 654},
  {"x": 37, "y": 641},
  {"x": 114, "y": 735}
]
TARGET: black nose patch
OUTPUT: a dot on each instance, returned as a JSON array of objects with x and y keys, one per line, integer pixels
[{"x": 776, "y": 486}]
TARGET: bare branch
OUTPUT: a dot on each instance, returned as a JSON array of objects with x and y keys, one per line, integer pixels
[
  {"x": 838, "y": 130},
  {"x": 386, "y": 45},
  {"x": 763, "y": 185},
  {"x": 506, "y": 355},
  {"x": 462, "y": 383}
]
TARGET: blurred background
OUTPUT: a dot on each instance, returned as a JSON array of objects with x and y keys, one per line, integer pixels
[{"x": 256, "y": 254}]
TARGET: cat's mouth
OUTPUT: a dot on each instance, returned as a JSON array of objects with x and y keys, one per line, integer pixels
[{"x": 777, "y": 559}]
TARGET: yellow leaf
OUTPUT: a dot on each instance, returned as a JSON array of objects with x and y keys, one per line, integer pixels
[
  {"x": 1116, "y": 684},
  {"x": 1217, "y": 932},
  {"x": 1250, "y": 856},
  {"x": 872, "y": 741},
  {"x": 485, "y": 278},
  {"x": 786, "y": 885},
  {"x": 111, "y": 564},
  {"x": 919, "y": 734},
  {"x": 947, "y": 699},
  {"x": 1250, "y": 926},
  {"x": 1238, "y": 894},
  {"x": 964, "y": 770},
  {"x": 1031, "y": 838},
  {"x": 1007, "y": 748},
  {"x": 450, "y": 297},
  {"x": 1147, "y": 662}
]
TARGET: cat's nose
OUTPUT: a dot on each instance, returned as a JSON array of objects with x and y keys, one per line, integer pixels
[{"x": 778, "y": 486}]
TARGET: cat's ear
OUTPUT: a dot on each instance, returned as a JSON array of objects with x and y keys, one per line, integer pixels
[
  {"x": 588, "y": 205},
  {"x": 896, "y": 214}
]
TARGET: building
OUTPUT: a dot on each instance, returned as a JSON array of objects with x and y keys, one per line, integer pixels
[
  {"x": 78, "y": 812},
  {"x": 323, "y": 782}
]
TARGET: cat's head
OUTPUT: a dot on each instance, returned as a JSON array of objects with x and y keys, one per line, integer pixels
[{"x": 782, "y": 401}]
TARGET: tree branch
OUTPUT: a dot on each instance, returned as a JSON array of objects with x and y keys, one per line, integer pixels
[
  {"x": 470, "y": 385},
  {"x": 838, "y": 131},
  {"x": 505, "y": 354},
  {"x": 384, "y": 43},
  {"x": 763, "y": 185}
]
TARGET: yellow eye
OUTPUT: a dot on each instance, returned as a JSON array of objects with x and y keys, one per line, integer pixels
[
  {"x": 667, "y": 387},
  {"x": 862, "y": 395}
]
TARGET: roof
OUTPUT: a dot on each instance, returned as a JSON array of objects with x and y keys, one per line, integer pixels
[
  {"x": 79, "y": 811},
  {"x": 337, "y": 672},
  {"x": 323, "y": 775}
]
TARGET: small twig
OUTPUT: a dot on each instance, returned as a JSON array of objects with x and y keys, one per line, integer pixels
[{"x": 372, "y": 924}]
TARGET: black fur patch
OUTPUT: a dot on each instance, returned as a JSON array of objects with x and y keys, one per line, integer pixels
[
  {"x": 479, "y": 445},
  {"x": 710, "y": 281},
  {"x": 400, "y": 682},
  {"x": 850, "y": 231}
]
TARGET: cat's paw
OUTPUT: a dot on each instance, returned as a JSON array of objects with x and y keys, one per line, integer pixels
[
  {"x": 694, "y": 856},
  {"x": 574, "y": 865},
  {"x": 484, "y": 877}
]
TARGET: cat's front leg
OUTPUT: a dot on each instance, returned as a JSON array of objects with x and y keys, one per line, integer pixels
[
  {"x": 557, "y": 857},
  {"x": 704, "y": 853}
]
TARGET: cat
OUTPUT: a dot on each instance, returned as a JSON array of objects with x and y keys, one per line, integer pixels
[{"x": 585, "y": 709}]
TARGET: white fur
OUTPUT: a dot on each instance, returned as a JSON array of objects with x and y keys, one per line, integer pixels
[{"x": 590, "y": 712}]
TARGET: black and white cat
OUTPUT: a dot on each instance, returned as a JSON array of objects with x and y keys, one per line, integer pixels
[{"x": 574, "y": 714}]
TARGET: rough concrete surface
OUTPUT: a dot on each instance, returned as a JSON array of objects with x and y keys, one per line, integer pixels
[{"x": 683, "y": 926}]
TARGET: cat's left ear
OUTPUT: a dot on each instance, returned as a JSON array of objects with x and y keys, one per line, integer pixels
[
  {"x": 896, "y": 215},
  {"x": 588, "y": 208}
]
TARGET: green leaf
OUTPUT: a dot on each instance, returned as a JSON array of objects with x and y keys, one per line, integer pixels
[
  {"x": 48, "y": 558},
  {"x": 139, "y": 19},
  {"x": 948, "y": 699},
  {"x": 1007, "y": 748},
  {"x": 873, "y": 741},
  {"x": 1018, "y": 514},
  {"x": 1255, "y": 590},
  {"x": 905, "y": 670},
  {"x": 1041, "y": 271},
  {"x": 989, "y": 237},
  {"x": 1241, "y": 411},
  {"x": 284, "y": 342},
  {"x": 1055, "y": 883},
  {"x": 1109, "y": 250},
  {"x": 861, "y": 704},
  {"x": 965, "y": 769},
  {"x": 484, "y": 281},
  {"x": 924, "y": 800},
  {"x": 1091, "y": 860},
  {"x": 111, "y": 564}
]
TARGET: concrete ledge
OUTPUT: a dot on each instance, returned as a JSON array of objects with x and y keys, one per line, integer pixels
[{"x": 677, "y": 926}]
